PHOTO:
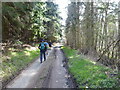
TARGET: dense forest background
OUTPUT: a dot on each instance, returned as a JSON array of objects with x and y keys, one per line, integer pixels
[
  {"x": 25, "y": 22},
  {"x": 93, "y": 28}
]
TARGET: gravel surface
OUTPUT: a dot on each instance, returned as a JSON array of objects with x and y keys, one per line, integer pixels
[{"x": 49, "y": 74}]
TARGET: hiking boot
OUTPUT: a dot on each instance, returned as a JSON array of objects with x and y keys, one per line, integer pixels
[{"x": 40, "y": 61}]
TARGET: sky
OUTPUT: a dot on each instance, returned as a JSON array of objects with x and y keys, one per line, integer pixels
[
  {"x": 62, "y": 8},
  {"x": 63, "y": 4}
]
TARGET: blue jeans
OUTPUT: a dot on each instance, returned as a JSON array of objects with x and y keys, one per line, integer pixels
[{"x": 42, "y": 53}]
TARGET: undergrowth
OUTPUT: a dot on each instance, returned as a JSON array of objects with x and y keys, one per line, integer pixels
[
  {"x": 89, "y": 74},
  {"x": 17, "y": 60}
]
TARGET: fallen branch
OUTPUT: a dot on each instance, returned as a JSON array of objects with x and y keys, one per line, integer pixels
[{"x": 106, "y": 49}]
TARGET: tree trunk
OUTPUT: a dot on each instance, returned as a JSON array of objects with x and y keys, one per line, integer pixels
[
  {"x": 89, "y": 27},
  {"x": 119, "y": 40},
  {"x": 77, "y": 26}
]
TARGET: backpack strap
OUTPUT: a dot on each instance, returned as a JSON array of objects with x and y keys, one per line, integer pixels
[{"x": 39, "y": 45}]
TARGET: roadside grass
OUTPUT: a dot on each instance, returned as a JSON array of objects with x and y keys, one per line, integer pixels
[
  {"x": 89, "y": 74},
  {"x": 17, "y": 60}
]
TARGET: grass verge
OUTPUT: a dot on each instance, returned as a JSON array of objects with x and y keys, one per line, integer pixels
[
  {"x": 17, "y": 60},
  {"x": 89, "y": 74}
]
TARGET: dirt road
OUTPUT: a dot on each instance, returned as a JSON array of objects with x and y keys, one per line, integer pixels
[{"x": 49, "y": 74}]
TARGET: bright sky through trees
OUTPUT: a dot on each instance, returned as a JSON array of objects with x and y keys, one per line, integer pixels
[
  {"x": 63, "y": 9},
  {"x": 63, "y": 6}
]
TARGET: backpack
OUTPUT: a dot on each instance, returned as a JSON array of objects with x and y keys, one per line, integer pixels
[{"x": 42, "y": 46}]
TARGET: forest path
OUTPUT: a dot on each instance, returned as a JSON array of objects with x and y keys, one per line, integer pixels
[
  {"x": 49, "y": 74},
  {"x": 58, "y": 74}
]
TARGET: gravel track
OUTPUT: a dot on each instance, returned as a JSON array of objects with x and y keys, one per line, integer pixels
[{"x": 50, "y": 74}]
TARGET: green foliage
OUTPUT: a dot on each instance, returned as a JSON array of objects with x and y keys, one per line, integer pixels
[
  {"x": 16, "y": 21},
  {"x": 17, "y": 61},
  {"x": 25, "y": 21},
  {"x": 46, "y": 20},
  {"x": 91, "y": 27},
  {"x": 88, "y": 73}
]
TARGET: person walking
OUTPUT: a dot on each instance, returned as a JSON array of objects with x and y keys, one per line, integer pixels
[
  {"x": 50, "y": 44},
  {"x": 42, "y": 46}
]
